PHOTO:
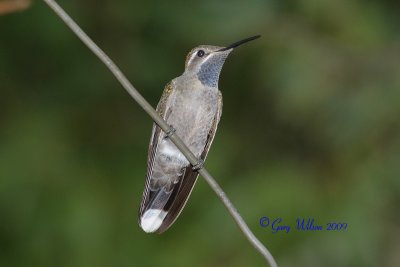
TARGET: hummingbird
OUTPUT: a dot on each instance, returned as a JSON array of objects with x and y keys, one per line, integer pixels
[{"x": 192, "y": 105}]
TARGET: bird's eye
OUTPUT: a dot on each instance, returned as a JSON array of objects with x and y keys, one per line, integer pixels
[{"x": 200, "y": 53}]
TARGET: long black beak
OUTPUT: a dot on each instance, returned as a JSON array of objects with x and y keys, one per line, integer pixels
[{"x": 236, "y": 44}]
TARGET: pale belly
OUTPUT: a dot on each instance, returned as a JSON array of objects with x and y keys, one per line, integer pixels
[{"x": 192, "y": 117}]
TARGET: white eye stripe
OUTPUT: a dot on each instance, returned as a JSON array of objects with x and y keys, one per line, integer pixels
[{"x": 192, "y": 57}]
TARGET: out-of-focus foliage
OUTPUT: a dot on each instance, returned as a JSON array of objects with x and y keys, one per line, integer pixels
[
  {"x": 310, "y": 128},
  {"x": 11, "y": 6}
]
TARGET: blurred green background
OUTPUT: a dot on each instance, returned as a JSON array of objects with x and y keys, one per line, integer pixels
[{"x": 310, "y": 128}]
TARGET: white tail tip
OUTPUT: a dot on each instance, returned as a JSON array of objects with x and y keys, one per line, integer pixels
[{"x": 152, "y": 219}]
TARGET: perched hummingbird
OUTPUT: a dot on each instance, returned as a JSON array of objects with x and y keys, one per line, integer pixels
[{"x": 192, "y": 105}]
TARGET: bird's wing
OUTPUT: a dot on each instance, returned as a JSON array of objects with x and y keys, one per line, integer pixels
[
  {"x": 156, "y": 135},
  {"x": 182, "y": 190}
]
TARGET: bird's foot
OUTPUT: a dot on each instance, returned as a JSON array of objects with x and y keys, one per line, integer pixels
[
  {"x": 198, "y": 166},
  {"x": 170, "y": 132}
]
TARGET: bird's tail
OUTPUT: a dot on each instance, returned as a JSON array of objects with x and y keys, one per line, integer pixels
[{"x": 161, "y": 207}]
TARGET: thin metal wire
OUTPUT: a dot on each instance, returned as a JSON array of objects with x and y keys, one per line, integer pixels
[{"x": 165, "y": 127}]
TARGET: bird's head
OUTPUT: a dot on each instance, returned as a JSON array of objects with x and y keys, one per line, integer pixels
[{"x": 206, "y": 61}]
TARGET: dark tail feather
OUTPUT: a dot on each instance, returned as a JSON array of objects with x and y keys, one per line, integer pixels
[
  {"x": 163, "y": 207},
  {"x": 179, "y": 200}
]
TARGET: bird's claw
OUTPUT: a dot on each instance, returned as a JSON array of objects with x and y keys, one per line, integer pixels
[
  {"x": 199, "y": 165},
  {"x": 170, "y": 132}
]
